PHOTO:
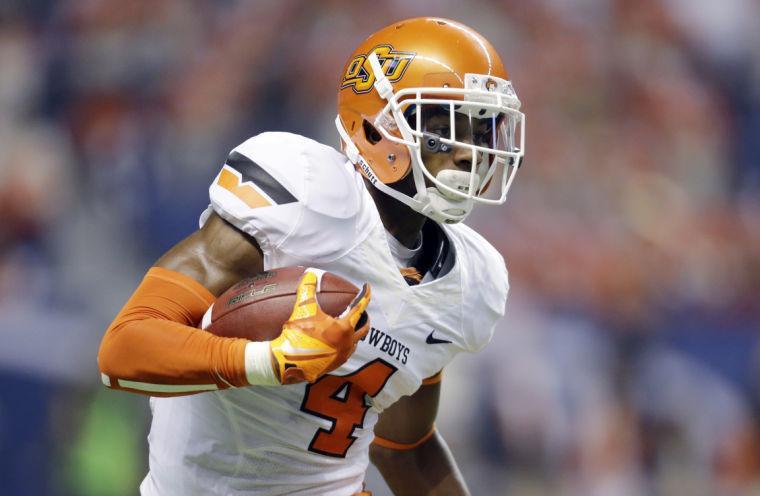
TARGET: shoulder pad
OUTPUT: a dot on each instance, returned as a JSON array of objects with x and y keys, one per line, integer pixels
[{"x": 288, "y": 191}]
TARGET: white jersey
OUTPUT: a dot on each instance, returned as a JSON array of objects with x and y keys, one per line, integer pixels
[{"x": 305, "y": 204}]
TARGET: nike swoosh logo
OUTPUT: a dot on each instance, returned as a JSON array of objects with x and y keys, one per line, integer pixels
[{"x": 432, "y": 340}]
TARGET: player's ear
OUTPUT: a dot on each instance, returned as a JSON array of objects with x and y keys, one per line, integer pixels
[{"x": 371, "y": 134}]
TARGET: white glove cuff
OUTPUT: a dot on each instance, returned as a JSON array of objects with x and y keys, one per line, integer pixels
[{"x": 258, "y": 364}]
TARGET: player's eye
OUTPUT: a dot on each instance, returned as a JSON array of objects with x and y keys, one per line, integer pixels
[
  {"x": 443, "y": 130},
  {"x": 483, "y": 137}
]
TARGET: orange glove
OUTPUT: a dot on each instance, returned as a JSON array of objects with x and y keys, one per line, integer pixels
[{"x": 313, "y": 343}]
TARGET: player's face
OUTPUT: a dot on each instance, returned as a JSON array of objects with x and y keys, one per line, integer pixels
[{"x": 437, "y": 123}]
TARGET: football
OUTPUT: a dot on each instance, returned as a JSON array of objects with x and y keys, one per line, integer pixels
[{"x": 258, "y": 306}]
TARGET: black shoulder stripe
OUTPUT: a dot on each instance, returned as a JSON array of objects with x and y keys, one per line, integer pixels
[{"x": 251, "y": 171}]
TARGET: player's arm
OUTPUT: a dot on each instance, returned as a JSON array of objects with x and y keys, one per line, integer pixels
[
  {"x": 412, "y": 457},
  {"x": 154, "y": 346},
  {"x": 216, "y": 256}
]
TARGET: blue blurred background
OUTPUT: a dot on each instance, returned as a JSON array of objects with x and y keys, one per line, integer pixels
[{"x": 629, "y": 361}]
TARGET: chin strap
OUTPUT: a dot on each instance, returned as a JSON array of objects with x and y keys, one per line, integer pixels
[
  {"x": 445, "y": 207},
  {"x": 356, "y": 158},
  {"x": 444, "y": 210}
]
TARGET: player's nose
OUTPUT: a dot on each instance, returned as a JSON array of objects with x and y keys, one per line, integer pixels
[{"x": 462, "y": 158}]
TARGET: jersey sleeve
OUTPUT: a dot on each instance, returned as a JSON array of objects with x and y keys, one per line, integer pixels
[
  {"x": 294, "y": 196},
  {"x": 260, "y": 188}
]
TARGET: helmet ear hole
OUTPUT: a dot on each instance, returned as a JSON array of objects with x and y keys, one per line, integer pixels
[{"x": 370, "y": 133}]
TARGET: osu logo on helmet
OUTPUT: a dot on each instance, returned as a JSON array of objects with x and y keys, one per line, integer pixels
[{"x": 359, "y": 74}]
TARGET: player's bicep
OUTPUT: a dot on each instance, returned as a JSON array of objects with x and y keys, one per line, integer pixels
[
  {"x": 217, "y": 255},
  {"x": 410, "y": 420}
]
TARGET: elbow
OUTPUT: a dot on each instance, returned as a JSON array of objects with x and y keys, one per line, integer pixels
[
  {"x": 105, "y": 363},
  {"x": 108, "y": 362}
]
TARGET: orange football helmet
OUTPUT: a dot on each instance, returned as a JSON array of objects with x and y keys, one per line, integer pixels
[{"x": 416, "y": 68}]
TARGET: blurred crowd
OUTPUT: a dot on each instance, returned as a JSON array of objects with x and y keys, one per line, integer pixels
[{"x": 629, "y": 361}]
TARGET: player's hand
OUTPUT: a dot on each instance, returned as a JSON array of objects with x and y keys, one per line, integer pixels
[{"x": 313, "y": 343}]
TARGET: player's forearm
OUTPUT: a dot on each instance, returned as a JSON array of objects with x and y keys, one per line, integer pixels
[
  {"x": 428, "y": 469},
  {"x": 153, "y": 347}
]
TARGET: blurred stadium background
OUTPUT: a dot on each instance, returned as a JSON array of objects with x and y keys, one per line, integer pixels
[{"x": 629, "y": 363}]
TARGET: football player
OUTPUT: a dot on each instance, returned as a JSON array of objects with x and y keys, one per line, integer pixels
[{"x": 430, "y": 126}]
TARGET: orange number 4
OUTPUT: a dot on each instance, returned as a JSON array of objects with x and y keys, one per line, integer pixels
[{"x": 340, "y": 399}]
